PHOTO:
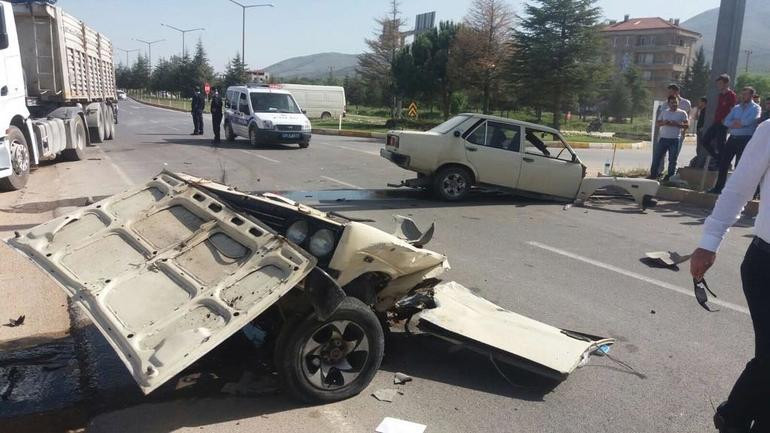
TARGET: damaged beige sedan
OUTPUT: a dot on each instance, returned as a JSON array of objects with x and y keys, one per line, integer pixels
[{"x": 171, "y": 269}]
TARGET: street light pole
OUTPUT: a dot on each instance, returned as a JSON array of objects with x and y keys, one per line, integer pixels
[
  {"x": 243, "y": 31},
  {"x": 183, "y": 32},
  {"x": 127, "y": 51},
  {"x": 149, "y": 49}
]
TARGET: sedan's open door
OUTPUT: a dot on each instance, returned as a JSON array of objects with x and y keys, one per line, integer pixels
[{"x": 165, "y": 271}]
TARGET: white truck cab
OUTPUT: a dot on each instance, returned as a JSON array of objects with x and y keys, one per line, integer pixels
[{"x": 265, "y": 115}]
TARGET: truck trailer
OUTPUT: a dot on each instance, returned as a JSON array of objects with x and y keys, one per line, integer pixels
[{"x": 57, "y": 88}]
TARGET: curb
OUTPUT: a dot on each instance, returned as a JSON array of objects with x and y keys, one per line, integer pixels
[
  {"x": 699, "y": 199},
  {"x": 349, "y": 133}
]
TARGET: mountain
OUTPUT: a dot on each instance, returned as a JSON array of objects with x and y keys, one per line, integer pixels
[
  {"x": 315, "y": 66},
  {"x": 756, "y": 33}
]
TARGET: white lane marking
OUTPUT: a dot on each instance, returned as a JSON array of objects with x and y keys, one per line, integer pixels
[
  {"x": 121, "y": 174},
  {"x": 349, "y": 185},
  {"x": 259, "y": 156},
  {"x": 353, "y": 149},
  {"x": 661, "y": 284}
]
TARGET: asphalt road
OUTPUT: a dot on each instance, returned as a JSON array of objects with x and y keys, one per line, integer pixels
[{"x": 577, "y": 268}]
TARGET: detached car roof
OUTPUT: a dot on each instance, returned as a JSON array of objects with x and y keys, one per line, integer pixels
[{"x": 512, "y": 122}]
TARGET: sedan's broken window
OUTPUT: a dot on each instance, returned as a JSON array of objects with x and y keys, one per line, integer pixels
[{"x": 547, "y": 144}]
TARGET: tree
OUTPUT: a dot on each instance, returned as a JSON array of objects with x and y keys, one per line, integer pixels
[
  {"x": 199, "y": 70},
  {"x": 697, "y": 77},
  {"x": 760, "y": 83},
  {"x": 639, "y": 97},
  {"x": 557, "y": 49},
  {"x": 235, "y": 72},
  {"x": 140, "y": 73},
  {"x": 483, "y": 47},
  {"x": 375, "y": 66},
  {"x": 618, "y": 103}
]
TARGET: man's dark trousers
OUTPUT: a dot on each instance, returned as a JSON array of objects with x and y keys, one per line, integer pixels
[
  {"x": 716, "y": 132},
  {"x": 198, "y": 121},
  {"x": 750, "y": 397},
  {"x": 734, "y": 147},
  {"x": 216, "y": 120},
  {"x": 670, "y": 145}
]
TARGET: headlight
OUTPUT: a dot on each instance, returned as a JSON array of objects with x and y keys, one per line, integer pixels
[
  {"x": 298, "y": 232},
  {"x": 267, "y": 124},
  {"x": 322, "y": 243}
]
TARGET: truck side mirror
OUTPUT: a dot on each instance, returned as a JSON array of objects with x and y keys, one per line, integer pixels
[{"x": 3, "y": 30}]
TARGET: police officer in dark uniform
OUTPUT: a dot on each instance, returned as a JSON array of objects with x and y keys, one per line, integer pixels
[
  {"x": 197, "y": 105},
  {"x": 216, "y": 113}
]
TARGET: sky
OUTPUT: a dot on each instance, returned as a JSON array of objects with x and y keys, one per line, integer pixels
[{"x": 292, "y": 27}]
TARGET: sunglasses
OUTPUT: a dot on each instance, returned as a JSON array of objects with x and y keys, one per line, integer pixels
[{"x": 700, "y": 294}]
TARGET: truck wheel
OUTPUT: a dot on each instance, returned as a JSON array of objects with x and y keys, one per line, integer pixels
[
  {"x": 79, "y": 151},
  {"x": 321, "y": 362},
  {"x": 20, "y": 161},
  {"x": 98, "y": 132},
  {"x": 452, "y": 183},
  {"x": 253, "y": 137},
  {"x": 229, "y": 134}
]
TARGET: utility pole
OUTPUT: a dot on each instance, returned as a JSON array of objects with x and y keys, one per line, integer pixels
[
  {"x": 183, "y": 32},
  {"x": 748, "y": 59},
  {"x": 127, "y": 51},
  {"x": 149, "y": 49},
  {"x": 243, "y": 31},
  {"x": 727, "y": 47}
]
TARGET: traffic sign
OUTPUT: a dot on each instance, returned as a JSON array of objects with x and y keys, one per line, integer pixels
[
  {"x": 412, "y": 111},
  {"x": 207, "y": 88}
]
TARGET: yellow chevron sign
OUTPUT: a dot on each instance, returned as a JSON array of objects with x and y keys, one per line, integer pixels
[{"x": 412, "y": 111}]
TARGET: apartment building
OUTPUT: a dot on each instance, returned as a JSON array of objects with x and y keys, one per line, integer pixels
[{"x": 661, "y": 49}]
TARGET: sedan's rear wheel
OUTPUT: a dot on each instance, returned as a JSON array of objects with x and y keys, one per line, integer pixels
[
  {"x": 452, "y": 183},
  {"x": 334, "y": 359}
]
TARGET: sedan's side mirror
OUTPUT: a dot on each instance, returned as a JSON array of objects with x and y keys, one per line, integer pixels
[
  {"x": 574, "y": 158},
  {"x": 457, "y": 134}
]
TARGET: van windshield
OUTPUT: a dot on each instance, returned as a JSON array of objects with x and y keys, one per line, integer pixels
[
  {"x": 449, "y": 124},
  {"x": 273, "y": 103}
]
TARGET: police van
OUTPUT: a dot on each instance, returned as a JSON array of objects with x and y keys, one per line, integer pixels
[{"x": 265, "y": 115}]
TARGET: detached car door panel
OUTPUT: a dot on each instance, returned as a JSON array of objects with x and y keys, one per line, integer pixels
[
  {"x": 547, "y": 167},
  {"x": 166, "y": 271}
]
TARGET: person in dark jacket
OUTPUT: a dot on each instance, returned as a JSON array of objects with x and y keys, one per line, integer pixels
[
  {"x": 215, "y": 106},
  {"x": 196, "y": 107}
]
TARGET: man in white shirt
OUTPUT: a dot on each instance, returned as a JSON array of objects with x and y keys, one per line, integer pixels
[
  {"x": 749, "y": 400},
  {"x": 671, "y": 122}
]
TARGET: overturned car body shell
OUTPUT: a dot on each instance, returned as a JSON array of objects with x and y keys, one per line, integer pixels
[{"x": 165, "y": 271}]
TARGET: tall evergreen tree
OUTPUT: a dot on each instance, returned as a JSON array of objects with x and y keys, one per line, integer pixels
[
  {"x": 200, "y": 71},
  {"x": 639, "y": 97},
  {"x": 699, "y": 75},
  {"x": 235, "y": 72},
  {"x": 557, "y": 48}
]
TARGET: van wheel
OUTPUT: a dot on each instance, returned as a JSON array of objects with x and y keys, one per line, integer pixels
[
  {"x": 304, "y": 144},
  {"x": 79, "y": 151},
  {"x": 20, "y": 161},
  {"x": 253, "y": 137},
  {"x": 326, "y": 115},
  {"x": 229, "y": 134},
  {"x": 321, "y": 362},
  {"x": 452, "y": 183}
]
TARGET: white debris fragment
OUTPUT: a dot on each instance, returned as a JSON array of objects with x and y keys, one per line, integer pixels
[
  {"x": 386, "y": 394},
  {"x": 401, "y": 378},
  {"x": 395, "y": 425}
]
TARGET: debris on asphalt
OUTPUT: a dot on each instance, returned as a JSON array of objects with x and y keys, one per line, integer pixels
[
  {"x": 668, "y": 259},
  {"x": 395, "y": 425},
  {"x": 12, "y": 323},
  {"x": 652, "y": 311},
  {"x": 386, "y": 394},
  {"x": 401, "y": 378},
  {"x": 567, "y": 206}
]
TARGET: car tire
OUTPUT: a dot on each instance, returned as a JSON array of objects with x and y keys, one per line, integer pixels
[
  {"x": 452, "y": 183},
  {"x": 79, "y": 151},
  {"x": 20, "y": 161},
  {"x": 229, "y": 134},
  {"x": 349, "y": 345},
  {"x": 253, "y": 137}
]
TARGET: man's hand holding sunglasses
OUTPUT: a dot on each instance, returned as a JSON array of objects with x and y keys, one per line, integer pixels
[{"x": 700, "y": 262}]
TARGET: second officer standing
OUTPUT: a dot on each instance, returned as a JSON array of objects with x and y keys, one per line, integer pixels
[{"x": 216, "y": 114}]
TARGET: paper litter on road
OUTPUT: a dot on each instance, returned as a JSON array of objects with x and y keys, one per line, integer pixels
[
  {"x": 401, "y": 378},
  {"x": 395, "y": 425}
]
